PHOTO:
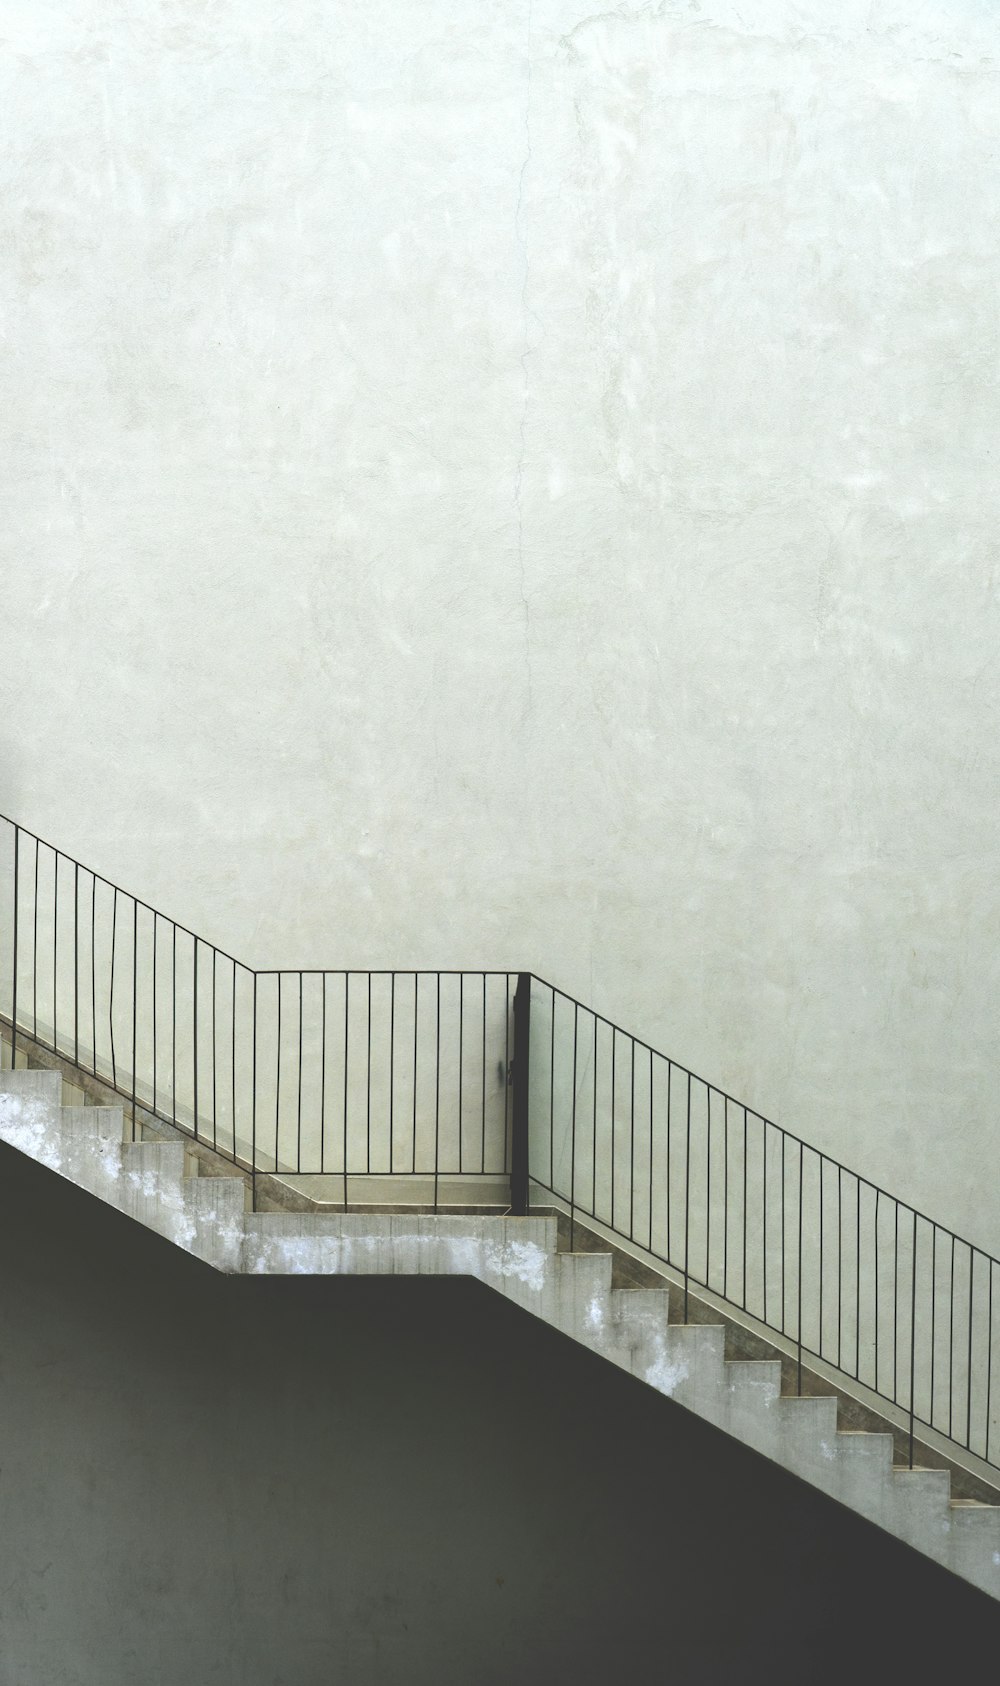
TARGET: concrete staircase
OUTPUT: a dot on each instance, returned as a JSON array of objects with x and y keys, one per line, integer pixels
[{"x": 157, "y": 1183}]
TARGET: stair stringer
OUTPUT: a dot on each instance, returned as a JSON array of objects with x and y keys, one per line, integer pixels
[{"x": 151, "y": 1182}]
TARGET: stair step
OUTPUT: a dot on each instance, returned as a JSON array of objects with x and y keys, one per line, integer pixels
[
  {"x": 43, "y": 1085},
  {"x": 808, "y": 1429},
  {"x": 975, "y": 1543},
  {"x": 919, "y": 1504},
  {"x": 217, "y": 1206},
  {"x": 152, "y": 1189},
  {"x": 640, "y": 1308},
  {"x": 519, "y": 1252},
  {"x": 93, "y": 1123},
  {"x": 759, "y": 1378},
  {"x": 864, "y": 1446},
  {"x": 29, "y": 1115},
  {"x": 685, "y": 1361}
]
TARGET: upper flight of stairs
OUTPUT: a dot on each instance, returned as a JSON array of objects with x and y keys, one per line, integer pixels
[{"x": 156, "y": 1182}]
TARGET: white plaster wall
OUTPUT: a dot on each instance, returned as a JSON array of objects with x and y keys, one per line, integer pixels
[{"x": 488, "y": 485}]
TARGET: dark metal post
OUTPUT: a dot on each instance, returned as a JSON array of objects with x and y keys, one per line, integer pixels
[
  {"x": 519, "y": 1127},
  {"x": 687, "y": 1199},
  {"x": 135, "y": 1006},
  {"x": 17, "y": 888},
  {"x": 253, "y": 1103},
  {"x": 798, "y": 1315},
  {"x": 913, "y": 1332}
]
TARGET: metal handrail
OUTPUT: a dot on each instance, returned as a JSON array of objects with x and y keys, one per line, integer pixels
[
  {"x": 470, "y": 1082},
  {"x": 802, "y": 1245}
]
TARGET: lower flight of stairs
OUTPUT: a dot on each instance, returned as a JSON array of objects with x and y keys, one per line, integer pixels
[{"x": 156, "y": 1183}]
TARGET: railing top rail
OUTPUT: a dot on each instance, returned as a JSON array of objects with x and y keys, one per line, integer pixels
[
  {"x": 385, "y": 972},
  {"x": 752, "y": 1112},
  {"x": 100, "y": 878},
  {"x": 497, "y": 972}
]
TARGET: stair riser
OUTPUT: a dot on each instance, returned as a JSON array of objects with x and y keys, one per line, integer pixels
[
  {"x": 513, "y": 1252},
  {"x": 974, "y": 1547},
  {"x": 686, "y": 1363},
  {"x": 919, "y": 1511}
]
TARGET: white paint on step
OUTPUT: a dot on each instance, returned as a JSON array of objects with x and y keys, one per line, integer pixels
[
  {"x": 26, "y": 1123},
  {"x": 665, "y": 1374}
]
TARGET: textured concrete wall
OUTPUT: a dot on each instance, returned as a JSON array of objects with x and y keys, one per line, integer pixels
[
  {"x": 323, "y": 1482},
  {"x": 503, "y": 486}
]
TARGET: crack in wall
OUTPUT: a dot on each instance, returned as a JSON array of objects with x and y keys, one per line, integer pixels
[{"x": 525, "y": 354}]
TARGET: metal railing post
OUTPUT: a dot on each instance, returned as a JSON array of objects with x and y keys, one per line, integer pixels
[
  {"x": 13, "y": 1010},
  {"x": 519, "y": 1124},
  {"x": 798, "y": 1315},
  {"x": 913, "y": 1333},
  {"x": 253, "y": 1104}
]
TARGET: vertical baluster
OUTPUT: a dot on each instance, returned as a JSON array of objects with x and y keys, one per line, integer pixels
[
  {"x": 34, "y": 948},
  {"x": 155, "y": 922},
  {"x": 857, "y": 1279},
  {"x": 989, "y": 1361},
  {"x": 173, "y": 1019},
  {"x": 572, "y": 1154},
  {"x": 614, "y": 1096},
  {"x": 913, "y": 1329},
  {"x": 437, "y": 1087},
  {"x": 215, "y": 1111},
  {"x": 934, "y": 1230},
  {"x": 461, "y": 1072},
  {"x": 507, "y": 1090},
  {"x": 593, "y": 1126},
  {"x": 820, "y": 1342},
  {"x": 368, "y": 1082},
  {"x": 93, "y": 964},
  {"x": 552, "y": 1087},
  {"x": 763, "y": 1242},
  {"x": 298, "y": 1103},
  {"x": 784, "y": 1204},
  {"x": 322, "y": 1076},
  {"x": 416, "y": 1010},
  {"x": 347, "y": 1011},
  {"x": 631, "y": 1145},
  {"x": 135, "y": 1007},
  {"x": 798, "y": 1315},
  {"x": 17, "y": 897},
  {"x": 253, "y": 1105},
  {"x": 877, "y": 1353},
  {"x": 895, "y": 1303},
  {"x": 746, "y": 1226},
  {"x": 725, "y": 1196},
  {"x": 652, "y": 1178},
  {"x": 708, "y": 1185},
  {"x": 392, "y": 1066},
  {"x": 232, "y": 1050},
  {"x": 951, "y": 1338},
  {"x": 111, "y": 991},
  {"x": 194, "y": 1032},
  {"x": 840, "y": 1261},
  {"x": 277, "y": 1085},
  {"x": 55, "y": 952},
  {"x": 687, "y": 1198},
  {"x": 968, "y": 1364},
  {"x": 670, "y": 1086},
  {"x": 76, "y": 963}
]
